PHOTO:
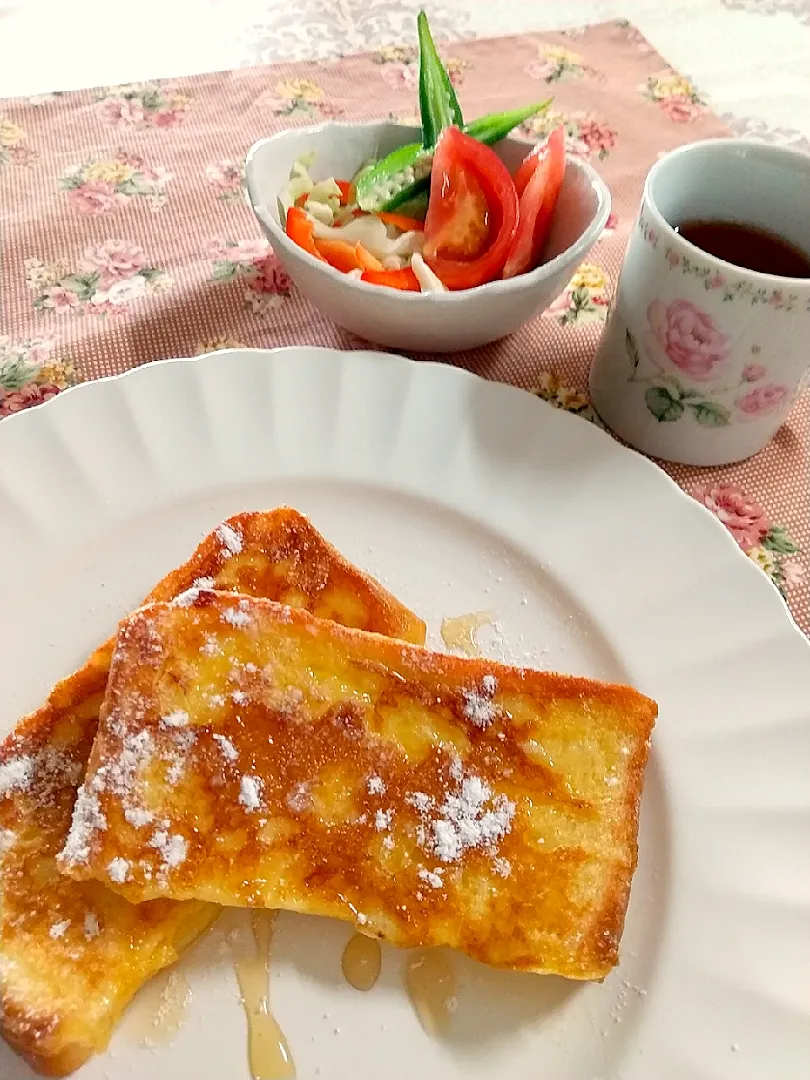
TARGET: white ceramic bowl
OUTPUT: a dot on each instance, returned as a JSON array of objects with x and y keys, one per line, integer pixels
[{"x": 432, "y": 322}]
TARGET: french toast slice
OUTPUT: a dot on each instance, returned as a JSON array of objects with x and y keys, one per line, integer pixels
[
  {"x": 72, "y": 954},
  {"x": 252, "y": 755}
]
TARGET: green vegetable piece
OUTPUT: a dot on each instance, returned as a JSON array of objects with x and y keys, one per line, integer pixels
[
  {"x": 493, "y": 127},
  {"x": 438, "y": 103},
  {"x": 405, "y": 173}
]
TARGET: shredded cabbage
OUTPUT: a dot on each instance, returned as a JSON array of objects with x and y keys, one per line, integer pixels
[
  {"x": 335, "y": 222},
  {"x": 428, "y": 281}
]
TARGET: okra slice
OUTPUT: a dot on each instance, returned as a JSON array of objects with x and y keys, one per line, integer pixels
[{"x": 405, "y": 172}]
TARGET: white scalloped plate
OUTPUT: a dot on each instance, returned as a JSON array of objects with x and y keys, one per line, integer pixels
[{"x": 459, "y": 495}]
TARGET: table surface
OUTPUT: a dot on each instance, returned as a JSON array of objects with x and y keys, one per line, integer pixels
[{"x": 748, "y": 60}]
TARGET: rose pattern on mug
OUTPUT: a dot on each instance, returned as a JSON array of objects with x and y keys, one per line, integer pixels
[{"x": 682, "y": 336}]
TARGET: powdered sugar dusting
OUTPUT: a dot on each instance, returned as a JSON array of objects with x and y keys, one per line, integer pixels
[
  {"x": 87, "y": 819},
  {"x": 471, "y": 818},
  {"x": 178, "y": 718},
  {"x": 479, "y": 707},
  {"x": 137, "y": 816},
  {"x": 236, "y": 617},
  {"x": 382, "y": 820},
  {"x": 7, "y": 839},
  {"x": 299, "y": 799},
  {"x": 432, "y": 877},
  {"x": 172, "y": 847},
  {"x": 118, "y": 869},
  {"x": 192, "y": 594},
  {"x": 211, "y": 646},
  {"x": 250, "y": 793},
  {"x": 59, "y": 929},
  {"x": 16, "y": 775},
  {"x": 375, "y": 785},
  {"x": 230, "y": 538},
  {"x": 91, "y": 926},
  {"x": 216, "y": 701},
  {"x": 239, "y": 697},
  {"x": 229, "y": 751}
]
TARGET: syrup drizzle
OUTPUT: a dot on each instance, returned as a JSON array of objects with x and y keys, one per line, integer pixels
[
  {"x": 268, "y": 1053},
  {"x": 361, "y": 962},
  {"x": 431, "y": 982},
  {"x": 459, "y": 632}
]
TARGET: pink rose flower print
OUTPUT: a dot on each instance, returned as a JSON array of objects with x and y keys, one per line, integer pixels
[
  {"x": 761, "y": 401},
  {"x": 31, "y": 394},
  {"x": 122, "y": 112},
  {"x": 540, "y": 69},
  {"x": 95, "y": 197},
  {"x": 60, "y": 300},
  {"x": 271, "y": 277},
  {"x": 744, "y": 518},
  {"x": 400, "y": 76},
  {"x": 680, "y": 109},
  {"x": 754, "y": 372},
  {"x": 689, "y": 337},
  {"x": 599, "y": 138},
  {"x": 114, "y": 260}
]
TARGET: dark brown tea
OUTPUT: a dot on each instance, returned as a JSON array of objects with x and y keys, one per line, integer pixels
[{"x": 747, "y": 246}]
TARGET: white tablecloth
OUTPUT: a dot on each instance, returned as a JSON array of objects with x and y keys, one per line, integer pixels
[{"x": 750, "y": 58}]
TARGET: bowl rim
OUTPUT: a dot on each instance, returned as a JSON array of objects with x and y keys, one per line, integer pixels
[{"x": 500, "y": 286}]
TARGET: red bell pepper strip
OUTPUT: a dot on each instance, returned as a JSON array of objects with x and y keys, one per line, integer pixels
[
  {"x": 404, "y": 279},
  {"x": 301, "y": 230}
]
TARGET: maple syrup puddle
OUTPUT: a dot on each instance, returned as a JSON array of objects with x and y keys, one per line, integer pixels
[
  {"x": 268, "y": 1053},
  {"x": 431, "y": 982},
  {"x": 459, "y": 632},
  {"x": 361, "y": 962}
]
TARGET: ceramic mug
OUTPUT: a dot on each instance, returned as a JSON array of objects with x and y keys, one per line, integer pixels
[{"x": 701, "y": 360}]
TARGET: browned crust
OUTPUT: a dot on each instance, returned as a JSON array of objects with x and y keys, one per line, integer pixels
[
  {"x": 313, "y": 568},
  {"x": 135, "y": 675}
]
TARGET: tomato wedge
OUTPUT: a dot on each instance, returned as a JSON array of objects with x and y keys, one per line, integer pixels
[
  {"x": 404, "y": 279},
  {"x": 472, "y": 214},
  {"x": 541, "y": 175},
  {"x": 301, "y": 230}
]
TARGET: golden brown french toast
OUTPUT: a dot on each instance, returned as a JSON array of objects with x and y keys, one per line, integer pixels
[
  {"x": 72, "y": 954},
  {"x": 252, "y": 755}
]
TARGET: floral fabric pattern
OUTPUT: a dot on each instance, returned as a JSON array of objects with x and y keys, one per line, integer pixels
[
  {"x": 585, "y": 135},
  {"x": 584, "y": 299},
  {"x": 143, "y": 105},
  {"x": 227, "y": 177},
  {"x": 107, "y": 280},
  {"x": 399, "y": 66},
  {"x": 767, "y": 544},
  {"x": 100, "y": 186},
  {"x": 674, "y": 95},
  {"x": 253, "y": 263},
  {"x": 554, "y": 62},
  {"x": 295, "y": 97},
  {"x": 14, "y": 148},
  {"x": 30, "y": 373}
]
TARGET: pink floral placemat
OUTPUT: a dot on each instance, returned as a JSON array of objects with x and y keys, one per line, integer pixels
[{"x": 127, "y": 237}]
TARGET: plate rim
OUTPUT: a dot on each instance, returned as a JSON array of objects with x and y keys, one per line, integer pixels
[{"x": 777, "y": 603}]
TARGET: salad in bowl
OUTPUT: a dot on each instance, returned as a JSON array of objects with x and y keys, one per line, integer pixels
[{"x": 400, "y": 234}]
